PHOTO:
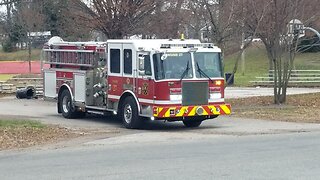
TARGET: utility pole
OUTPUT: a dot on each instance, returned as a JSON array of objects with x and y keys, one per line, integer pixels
[
  {"x": 243, "y": 38},
  {"x": 243, "y": 54}
]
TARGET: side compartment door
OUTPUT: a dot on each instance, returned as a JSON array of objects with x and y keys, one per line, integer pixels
[
  {"x": 49, "y": 83},
  {"x": 79, "y": 86}
]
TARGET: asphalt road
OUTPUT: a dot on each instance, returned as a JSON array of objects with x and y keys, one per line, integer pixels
[
  {"x": 284, "y": 156},
  {"x": 222, "y": 148},
  {"x": 47, "y": 112}
]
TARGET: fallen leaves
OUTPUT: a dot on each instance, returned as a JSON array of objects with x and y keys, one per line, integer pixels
[
  {"x": 22, "y": 137},
  {"x": 299, "y": 108}
]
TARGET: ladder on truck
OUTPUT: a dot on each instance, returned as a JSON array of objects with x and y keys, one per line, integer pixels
[{"x": 77, "y": 54}]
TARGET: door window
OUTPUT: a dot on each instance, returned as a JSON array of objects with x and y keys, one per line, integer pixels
[
  {"x": 127, "y": 61},
  {"x": 147, "y": 65},
  {"x": 115, "y": 60}
]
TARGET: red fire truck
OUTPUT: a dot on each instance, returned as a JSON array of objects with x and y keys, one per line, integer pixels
[{"x": 173, "y": 80}]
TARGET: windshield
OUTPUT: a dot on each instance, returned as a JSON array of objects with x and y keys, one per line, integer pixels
[
  {"x": 172, "y": 65},
  {"x": 209, "y": 63}
]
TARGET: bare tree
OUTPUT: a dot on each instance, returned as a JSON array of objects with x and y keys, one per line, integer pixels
[
  {"x": 249, "y": 31},
  {"x": 6, "y": 2},
  {"x": 116, "y": 19},
  {"x": 174, "y": 16},
  {"x": 195, "y": 19},
  {"x": 281, "y": 48},
  {"x": 28, "y": 15},
  {"x": 169, "y": 19},
  {"x": 8, "y": 26},
  {"x": 223, "y": 20}
]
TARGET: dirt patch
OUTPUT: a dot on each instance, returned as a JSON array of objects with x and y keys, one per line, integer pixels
[
  {"x": 22, "y": 137},
  {"x": 17, "y": 132},
  {"x": 299, "y": 108},
  {"x": 6, "y": 95}
]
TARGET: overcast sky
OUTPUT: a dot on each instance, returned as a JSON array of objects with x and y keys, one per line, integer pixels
[{"x": 2, "y": 8}]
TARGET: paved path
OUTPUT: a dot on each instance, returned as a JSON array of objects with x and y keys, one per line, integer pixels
[{"x": 241, "y": 92}]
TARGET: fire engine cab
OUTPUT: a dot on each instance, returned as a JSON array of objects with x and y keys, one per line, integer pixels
[{"x": 173, "y": 80}]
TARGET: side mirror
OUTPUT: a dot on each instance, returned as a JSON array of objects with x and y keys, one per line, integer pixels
[
  {"x": 141, "y": 62},
  {"x": 141, "y": 65},
  {"x": 142, "y": 73}
]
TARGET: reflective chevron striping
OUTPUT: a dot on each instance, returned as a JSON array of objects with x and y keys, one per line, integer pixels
[
  {"x": 192, "y": 112},
  {"x": 226, "y": 109},
  {"x": 185, "y": 111}
]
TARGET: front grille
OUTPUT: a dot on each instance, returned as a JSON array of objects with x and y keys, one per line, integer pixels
[{"x": 195, "y": 93}]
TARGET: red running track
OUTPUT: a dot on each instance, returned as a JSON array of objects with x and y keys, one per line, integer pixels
[{"x": 19, "y": 67}]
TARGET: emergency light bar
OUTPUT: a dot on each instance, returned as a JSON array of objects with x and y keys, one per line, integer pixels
[{"x": 203, "y": 45}]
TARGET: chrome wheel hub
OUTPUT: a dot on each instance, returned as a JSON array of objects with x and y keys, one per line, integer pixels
[
  {"x": 65, "y": 104},
  {"x": 127, "y": 113}
]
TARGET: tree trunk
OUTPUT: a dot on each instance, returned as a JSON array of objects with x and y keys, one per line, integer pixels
[
  {"x": 29, "y": 54},
  {"x": 275, "y": 76},
  {"x": 284, "y": 95},
  {"x": 270, "y": 64}
]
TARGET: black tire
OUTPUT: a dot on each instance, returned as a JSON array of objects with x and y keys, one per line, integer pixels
[
  {"x": 80, "y": 114},
  {"x": 192, "y": 123},
  {"x": 66, "y": 107},
  {"x": 128, "y": 113}
]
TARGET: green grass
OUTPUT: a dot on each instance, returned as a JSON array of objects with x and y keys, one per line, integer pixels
[
  {"x": 5, "y": 77},
  {"x": 307, "y": 61},
  {"x": 21, "y": 55},
  {"x": 5, "y": 123},
  {"x": 257, "y": 64}
]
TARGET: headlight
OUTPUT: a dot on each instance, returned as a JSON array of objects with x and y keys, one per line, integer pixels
[
  {"x": 218, "y": 83},
  {"x": 215, "y": 96},
  {"x": 176, "y": 97}
]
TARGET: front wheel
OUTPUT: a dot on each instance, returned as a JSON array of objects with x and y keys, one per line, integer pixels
[
  {"x": 192, "y": 123},
  {"x": 66, "y": 106},
  {"x": 129, "y": 113}
]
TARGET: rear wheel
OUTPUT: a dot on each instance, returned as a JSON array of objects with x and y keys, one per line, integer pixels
[
  {"x": 66, "y": 106},
  {"x": 129, "y": 113},
  {"x": 80, "y": 114},
  {"x": 192, "y": 123}
]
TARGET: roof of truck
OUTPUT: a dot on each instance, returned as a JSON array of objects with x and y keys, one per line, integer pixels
[
  {"x": 143, "y": 44},
  {"x": 157, "y": 44}
]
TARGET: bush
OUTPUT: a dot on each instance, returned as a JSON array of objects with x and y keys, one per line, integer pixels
[{"x": 7, "y": 46}]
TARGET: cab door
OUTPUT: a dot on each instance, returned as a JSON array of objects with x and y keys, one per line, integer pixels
[
  {"x": 128, "y": 68},
  {"x": 115, "y": 70},
  {"x": 145, "y": 81}
]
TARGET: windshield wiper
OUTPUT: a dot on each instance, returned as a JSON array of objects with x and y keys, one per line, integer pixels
[
  {"x": 185, "y": 71},
  {"x": 202, "y": 73}
]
